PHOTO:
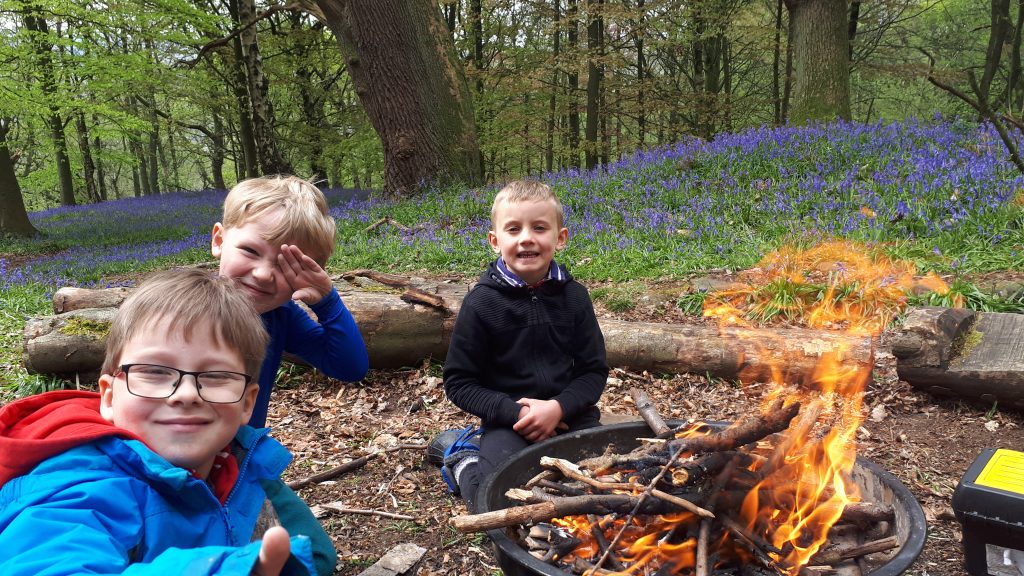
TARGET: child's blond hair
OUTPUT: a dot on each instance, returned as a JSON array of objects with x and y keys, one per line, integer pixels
[
  {"x": 527, "y": 191},
  {"x": 305, "y": 220},
  {"x": 190, "y": 299}
]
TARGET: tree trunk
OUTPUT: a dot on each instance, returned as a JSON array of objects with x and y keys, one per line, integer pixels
[
  {"x": 88, "y": 167},
  {"x": 851, "y": 28},
  {"x": 311, "y": 106},
  {"x": 412, "y": 87},
  {"x": 549, "y": 149},
  {"x": 572, "y": 38},
  {"x": 152, "y": 150},
  {"x": 996, "y": 41},
  {"x": 821, "y": 90},
  {"x": 641, "y": 68},
  {"x": 247, "y": 142},
  {"x": 263, "y": 120},
  {"x": 399, "y": 333},
  {"x": 13, "y": 217},
  {"x": 36, "y": 24},
  {"x": 595, "y": 31},
  {"x": 217, "y": 153},
  {"x": 476, "y": 19},
  {"x": 777, "y": 65},
  {"x": 101, "y": 179}
]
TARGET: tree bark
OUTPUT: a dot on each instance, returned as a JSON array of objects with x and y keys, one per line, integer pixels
[
  {"x": 572, "y": 39},
  {"x": 263, "y": 119},
  {"x": 556, "y": 49},
  {"x": 13, "y": 217},
  {"x": 821, "y": 89},
  {"x": 35, "y": 22},
  {"x": 247, "y": 141},
  {"x": 398, "y": 333},
  {"x": 101, "y": 179},
  {"x": 88, "y": 167},
  {"x": 403, "y": 65},
  {"x": 777, "y": 65},
  {"x": 595, "y": 31},
  {"x": 641, "y": 70}
]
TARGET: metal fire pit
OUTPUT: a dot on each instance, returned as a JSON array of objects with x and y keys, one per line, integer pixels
[{"x": 876, "y": 485}]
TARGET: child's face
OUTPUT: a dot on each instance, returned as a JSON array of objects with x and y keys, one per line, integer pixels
[
  {"x": 183, "y": 428},
  {"x": 249, "y": 259},
  {"x": 526, "y": 235}
]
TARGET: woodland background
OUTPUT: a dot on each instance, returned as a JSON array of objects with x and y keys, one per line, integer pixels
[{"x": 105, "y": 100}]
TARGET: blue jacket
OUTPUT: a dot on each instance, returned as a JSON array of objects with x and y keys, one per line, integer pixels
[
  {"x": 112, "y": 506},
  {"x": 331, "y": 343}
]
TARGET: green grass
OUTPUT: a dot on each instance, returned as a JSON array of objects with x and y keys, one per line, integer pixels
[{"x": 664, "y": 217}]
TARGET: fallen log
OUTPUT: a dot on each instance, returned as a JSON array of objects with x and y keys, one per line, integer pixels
[
  {"x": 401, "y": 333},
  {"x": 962, "y": 353}
]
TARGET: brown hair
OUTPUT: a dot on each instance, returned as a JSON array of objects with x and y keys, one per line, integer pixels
[
  {"x": 193, "y": 300},
  {"x": 305, "y": 220},
  {"x": 527, "y": 191}
]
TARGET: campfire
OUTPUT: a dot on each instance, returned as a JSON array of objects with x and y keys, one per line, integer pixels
[{"x": 774, "y": 493}]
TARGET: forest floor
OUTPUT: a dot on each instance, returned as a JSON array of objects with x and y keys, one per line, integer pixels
[{"x": 925, "y": 441}]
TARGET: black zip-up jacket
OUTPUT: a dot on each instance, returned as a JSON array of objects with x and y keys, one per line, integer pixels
[{"x": 511, "y": 343}]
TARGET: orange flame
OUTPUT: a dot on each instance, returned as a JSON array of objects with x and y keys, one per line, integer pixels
[{"x": 805, "y": 474}]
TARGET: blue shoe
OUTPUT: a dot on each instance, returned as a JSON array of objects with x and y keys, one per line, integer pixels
[
  {"x": 451, "y": 441},
  {"x": 454, "y": 465},
  {"x": 453, "y": 451}
]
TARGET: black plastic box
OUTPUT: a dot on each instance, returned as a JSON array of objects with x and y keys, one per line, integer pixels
[{"x": 989, "y": 503}]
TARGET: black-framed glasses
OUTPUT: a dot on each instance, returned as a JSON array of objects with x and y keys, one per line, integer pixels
[{"x": 156, "y": 381}]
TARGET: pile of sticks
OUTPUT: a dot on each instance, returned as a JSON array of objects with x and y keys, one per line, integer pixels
[{"x": 685, "y": 495}]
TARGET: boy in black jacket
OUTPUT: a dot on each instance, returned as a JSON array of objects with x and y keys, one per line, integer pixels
[{"x": 527, "y": 355}]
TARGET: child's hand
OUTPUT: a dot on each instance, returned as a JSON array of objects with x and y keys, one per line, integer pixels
[
  {"x": 274, "y": 552},
  {"x": 306, "y": 278},
  {"x": 540, "y": 420}
]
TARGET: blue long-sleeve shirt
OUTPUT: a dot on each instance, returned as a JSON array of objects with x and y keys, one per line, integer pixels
[{"x": 331, "y": 344}]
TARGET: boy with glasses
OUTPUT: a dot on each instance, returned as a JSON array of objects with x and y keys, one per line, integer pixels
[{"x": 157, "y": 473}]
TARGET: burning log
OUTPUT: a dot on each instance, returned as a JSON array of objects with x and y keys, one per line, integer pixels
[{"x": 840, "y": 553}]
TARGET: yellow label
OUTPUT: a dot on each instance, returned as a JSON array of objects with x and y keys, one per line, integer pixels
[{"x": 1004, "y": 471}]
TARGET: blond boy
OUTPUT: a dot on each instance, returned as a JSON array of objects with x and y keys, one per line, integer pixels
[
  {"x": 527, "y": 356},
  {"x": 275, "y": 238}
]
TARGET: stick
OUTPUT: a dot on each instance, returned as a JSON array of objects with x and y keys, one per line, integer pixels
[
  {"x": 556, "y": 507},
  {"x": 390, "y": 280},
  {"x": 602, "y": 543},
  {"x": 348, "y": 467},
  {"x": 566, "y": 468},
  {"x": 836, "y": 555},
  {"x": 649, "y": 412},
  {"x": 333, "y": 472},
  {"x": 387, "y": 220},
  {"x": 775, "y": 419},
  {"x": 417, "y": 296},
  {"x": 632, "y": 513},
  {"x": 341, "y": 508}
]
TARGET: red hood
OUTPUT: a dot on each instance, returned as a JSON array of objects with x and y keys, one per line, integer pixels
[{"x": 33, "y": 429}]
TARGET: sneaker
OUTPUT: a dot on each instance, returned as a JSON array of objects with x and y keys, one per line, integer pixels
[
  {"x": 450, "y": 442},
  {"x": 453, "y": 466}
]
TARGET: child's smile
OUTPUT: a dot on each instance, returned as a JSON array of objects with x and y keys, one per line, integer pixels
[{"x": 526, "y": 235}]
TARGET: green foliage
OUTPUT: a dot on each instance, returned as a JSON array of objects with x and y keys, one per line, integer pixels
[
  {"x": 965, "y": 294},
  {"x": 17, "y": 305},
  {"x": 692, "y": 303}
]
